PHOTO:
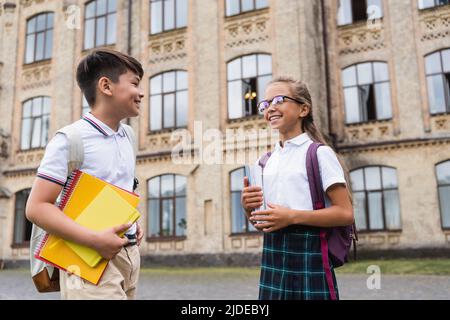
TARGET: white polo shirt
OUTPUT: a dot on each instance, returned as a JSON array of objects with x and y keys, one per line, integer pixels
[
  {"x": 108, "y": 155},
  {"x": 285, "y": 178}
]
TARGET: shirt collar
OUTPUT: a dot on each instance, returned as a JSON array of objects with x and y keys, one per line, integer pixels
[
  {"x": 101, "y": 127},
  {"x": 297, "y": 141}
]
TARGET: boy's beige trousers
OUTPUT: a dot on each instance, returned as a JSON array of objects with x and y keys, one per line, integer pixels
[{"x": 118, "y": 282}]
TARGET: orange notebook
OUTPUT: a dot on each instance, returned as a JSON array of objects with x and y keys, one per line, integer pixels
[{"x": 80, "y": 190}]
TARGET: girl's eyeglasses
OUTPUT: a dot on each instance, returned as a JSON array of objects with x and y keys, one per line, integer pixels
[{"x": 276, "y": 101}]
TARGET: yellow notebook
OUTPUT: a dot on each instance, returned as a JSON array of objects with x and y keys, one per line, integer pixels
[
  {"x": 80, "y": 190},
  {"x": 107, "y": 210}
]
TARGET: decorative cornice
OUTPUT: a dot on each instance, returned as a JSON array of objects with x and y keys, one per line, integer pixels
[
  {"x": 247, "y": 29},
  {"x": 249, "y": 120},
  {"x": 28, "y": 3},
  {"x": 435, "y": 23},
  {"x": 37, "y": 75},
  {"x": 167, "y": 46},
  {"x": 440, "y": 123},
  {"x": 381, "y": 130},
  {"x": 168, "y": 58},
  {"x": 19, "y": 172},
  {"x": 247, "y": 41},
  {"x": 358, "y": 38},
  {"x": 391, "y": 145},
  {"x": 9, "y": 7},
  {"x": 154, "y": 156},
  {"x": 29, "y": 157}
]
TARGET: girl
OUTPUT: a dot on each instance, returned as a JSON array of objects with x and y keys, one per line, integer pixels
[{"x": 292, "y": 266}]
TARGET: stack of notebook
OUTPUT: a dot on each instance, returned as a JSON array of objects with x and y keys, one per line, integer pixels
[{"x": 97, "y": 205}]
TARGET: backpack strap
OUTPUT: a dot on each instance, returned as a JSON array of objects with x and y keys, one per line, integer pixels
[
  {"x": 46, "y": 277},
  {"x": 263, "y": 161},
  {"x": 314, "y": 179},
  {"x": 76, "y": 148},
  {"x": 318, "y": 200}
]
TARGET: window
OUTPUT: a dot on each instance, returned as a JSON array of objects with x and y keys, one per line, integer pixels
[
  {"x": 351, "y": 11},
  {"x": 100, "y": 23},
  {"x": 367, "y": 92},
  {"x": 443, "y": 178},
  {"x": 376, "y": 198},
  {"x": 168, "y": 101},
  {"x": 423, "y": 4},
  {"x": 234, "y": 7},
  {"x": 437, "y": 67},
  {"x": 85, "y": 108},
  {"x": 167, "y": 206},
  {"x": 167, "y": 15},
  {"x": 247, "y": 79},
  {"x": 39, "y": 38},
  {"x": 35, "y": 123},
  {"x": 239, "y": 222},
  {"x": 22, "y": 227}
]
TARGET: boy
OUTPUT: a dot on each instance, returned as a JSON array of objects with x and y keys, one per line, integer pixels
[{"x": 110, "y": 82}]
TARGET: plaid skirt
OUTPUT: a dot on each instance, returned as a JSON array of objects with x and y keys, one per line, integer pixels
[{"x": 292, "y": 267}]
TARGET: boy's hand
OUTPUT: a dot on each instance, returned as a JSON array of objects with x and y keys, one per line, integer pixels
[
  {"x": 275, "y": 218},
  {"x": 251, "y": 197},
  {"x": 108, "y": 244}
]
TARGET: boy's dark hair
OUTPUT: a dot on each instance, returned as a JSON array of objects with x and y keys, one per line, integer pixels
[{"x": 104, "y": 63}]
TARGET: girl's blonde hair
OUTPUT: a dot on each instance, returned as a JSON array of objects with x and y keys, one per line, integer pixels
[{"x": 300, "y": 92}]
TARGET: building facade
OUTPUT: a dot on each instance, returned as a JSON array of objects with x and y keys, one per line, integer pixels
[{"x": 378, "y": 71}]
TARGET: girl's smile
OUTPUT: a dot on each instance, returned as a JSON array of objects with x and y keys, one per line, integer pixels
[
  {"x": 282, "y": 112},
  {"x": 273, "y": 118}
]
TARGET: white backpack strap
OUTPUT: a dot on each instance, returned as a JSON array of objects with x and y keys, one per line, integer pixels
[
  {"x": 39, "y": 269},
  {"x": 37, "y": 236},
  {"x": 132, "y": 137},
  {"x": 76, "y": 149}
]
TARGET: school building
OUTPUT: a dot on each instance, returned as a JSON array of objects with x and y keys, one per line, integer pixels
[{"x": 378, "y": 71}]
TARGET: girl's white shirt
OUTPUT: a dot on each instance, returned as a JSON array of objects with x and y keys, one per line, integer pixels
[{"x": 285, "y": 179}]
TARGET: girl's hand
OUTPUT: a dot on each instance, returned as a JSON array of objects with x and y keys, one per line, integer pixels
[
  {"x": 275, "y": 218},
  {"x": 251, "y": 197}
]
